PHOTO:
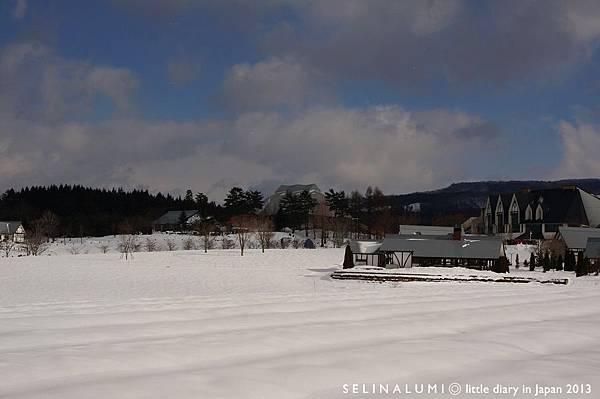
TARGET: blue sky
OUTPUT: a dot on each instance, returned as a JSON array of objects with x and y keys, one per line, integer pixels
[{"x": 205, "y": 94}]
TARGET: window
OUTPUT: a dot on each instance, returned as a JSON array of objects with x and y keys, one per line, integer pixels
[
  {"x": 539, "y": 213},
  {"x": 528, "y": 213},
  {"x": 514, "y": 221},
  {"x": 551, "y": 228},
  {"x": 500, "y": 220}
]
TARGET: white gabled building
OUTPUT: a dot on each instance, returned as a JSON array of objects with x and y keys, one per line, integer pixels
[
  {"x": 12, "y": 231},
  {"x": 539, "y": 213}
]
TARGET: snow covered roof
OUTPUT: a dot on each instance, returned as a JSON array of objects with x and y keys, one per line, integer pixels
[
  {"x": 432, "y": 247},
  {"x": 577, "y": 237},
  {"x": 425, "y": 230},
  {"x": 297, "y": 188},
  {"x": 172, "y": 217},
  {"x": 592, "y": 249},
  {"x": 9, "y": 227},
  {"x": 591, "y": 203},
  {"x": 364, "y": 247}
]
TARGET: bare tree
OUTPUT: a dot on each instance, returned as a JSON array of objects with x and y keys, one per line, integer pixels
[
  {"x": 189, "y": 244},
  {"x": 36, "y": 239},
  {"x": 171, "y": 245},
  {"x": 49, "y": 223},
  {"x": 264, "y": 227},
  {"x": 103, "y": 248},
  {"x": 243, "y": 226},
  {"x": 150, "y": 245},
  {"x": 7, "y": 246},
  {"x": 384, "y": 223},
  {"x": 339, "y": 225},
  {"x": 321, "y": 220},
  {"x": 205, "y": 229},
  {"x": 75, "y": 250},
  {"x": 226, "y": 243},
  {"x": 128, "y": 245}
]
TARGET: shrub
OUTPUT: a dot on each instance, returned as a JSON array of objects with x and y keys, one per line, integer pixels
[
  {"x": 532, "y": 262},
  {"x": 227, "y": 243},
  {"x": 348, "y": 258},
  {"x": 171, "y": 246},
  {"x": 501, "y": 266},
  {"x": 582, "y": 266},
  {"x": 189, "y": 244}
]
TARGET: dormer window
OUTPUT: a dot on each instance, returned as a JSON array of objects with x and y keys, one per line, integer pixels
[
  {"x": 528, "y": 213},
  {"x": 539, "y": 213}
]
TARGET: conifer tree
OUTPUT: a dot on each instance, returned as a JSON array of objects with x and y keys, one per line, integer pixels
[
  {"x": 501, "y": 265},
  {"x": 559, "y": 262},
  {"x": 532, "y": 262},
  {"x": 546, "y": 262},
  {"x": 348, "y": 258},
  {"x": 337, "y": 202},
  {"x": 569, "y": 261},
  {"x": 582, "y": 265}
]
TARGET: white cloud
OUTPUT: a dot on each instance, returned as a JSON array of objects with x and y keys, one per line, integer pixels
[
  {"x": 270, "y": 83},
  {"x": 582, "y": 18},
  {"x": 39, "y": 84},
  {"x": 115, "y": 83},
  {"x": 333, "y": 146},
  {"x": 385, "y": 146},
  {"x": 421, "y": 17},
  {"x": 581, "y": 142}
]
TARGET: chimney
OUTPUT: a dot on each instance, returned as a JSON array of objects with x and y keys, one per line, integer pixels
[{"x": 456, "y": 235}]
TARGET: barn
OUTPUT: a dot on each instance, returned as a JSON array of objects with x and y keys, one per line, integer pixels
[{"x": 400, "y": 251}]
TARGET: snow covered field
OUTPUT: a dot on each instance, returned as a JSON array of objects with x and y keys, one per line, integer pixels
[{"x": 186, "y": 324}]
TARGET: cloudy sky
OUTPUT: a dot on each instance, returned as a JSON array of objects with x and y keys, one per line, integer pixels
[{"x": 206, "y": 94}]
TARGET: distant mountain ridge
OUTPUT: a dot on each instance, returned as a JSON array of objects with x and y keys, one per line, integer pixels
[{"x": 468, "y": 197}]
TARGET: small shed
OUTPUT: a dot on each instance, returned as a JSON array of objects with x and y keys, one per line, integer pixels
[
  {"x": 171, "y": 220},
  {"x": 366, "y": 252}
]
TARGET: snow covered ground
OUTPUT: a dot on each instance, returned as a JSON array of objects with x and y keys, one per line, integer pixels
[
  {"x": 108, "y": 244},
  {"x": 186, "y": 324}
]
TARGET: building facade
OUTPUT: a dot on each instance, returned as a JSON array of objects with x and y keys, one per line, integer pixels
[
  {"x": 12, "y": 231},
  {"x": 538, "y": 214}
]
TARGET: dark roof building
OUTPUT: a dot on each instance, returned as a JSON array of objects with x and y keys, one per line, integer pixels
[
  {"x": 592, "y": 249},
  {"x": 444, "y": 247},
  {"x": 538, "y": 214},
  {"x": 172, "y": 219},
  {"x": 576, "y": 238},
  {"x": 399, "y": 250}
]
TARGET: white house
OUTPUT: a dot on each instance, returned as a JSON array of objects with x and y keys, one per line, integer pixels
[{"x": 12, "y": 231}]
